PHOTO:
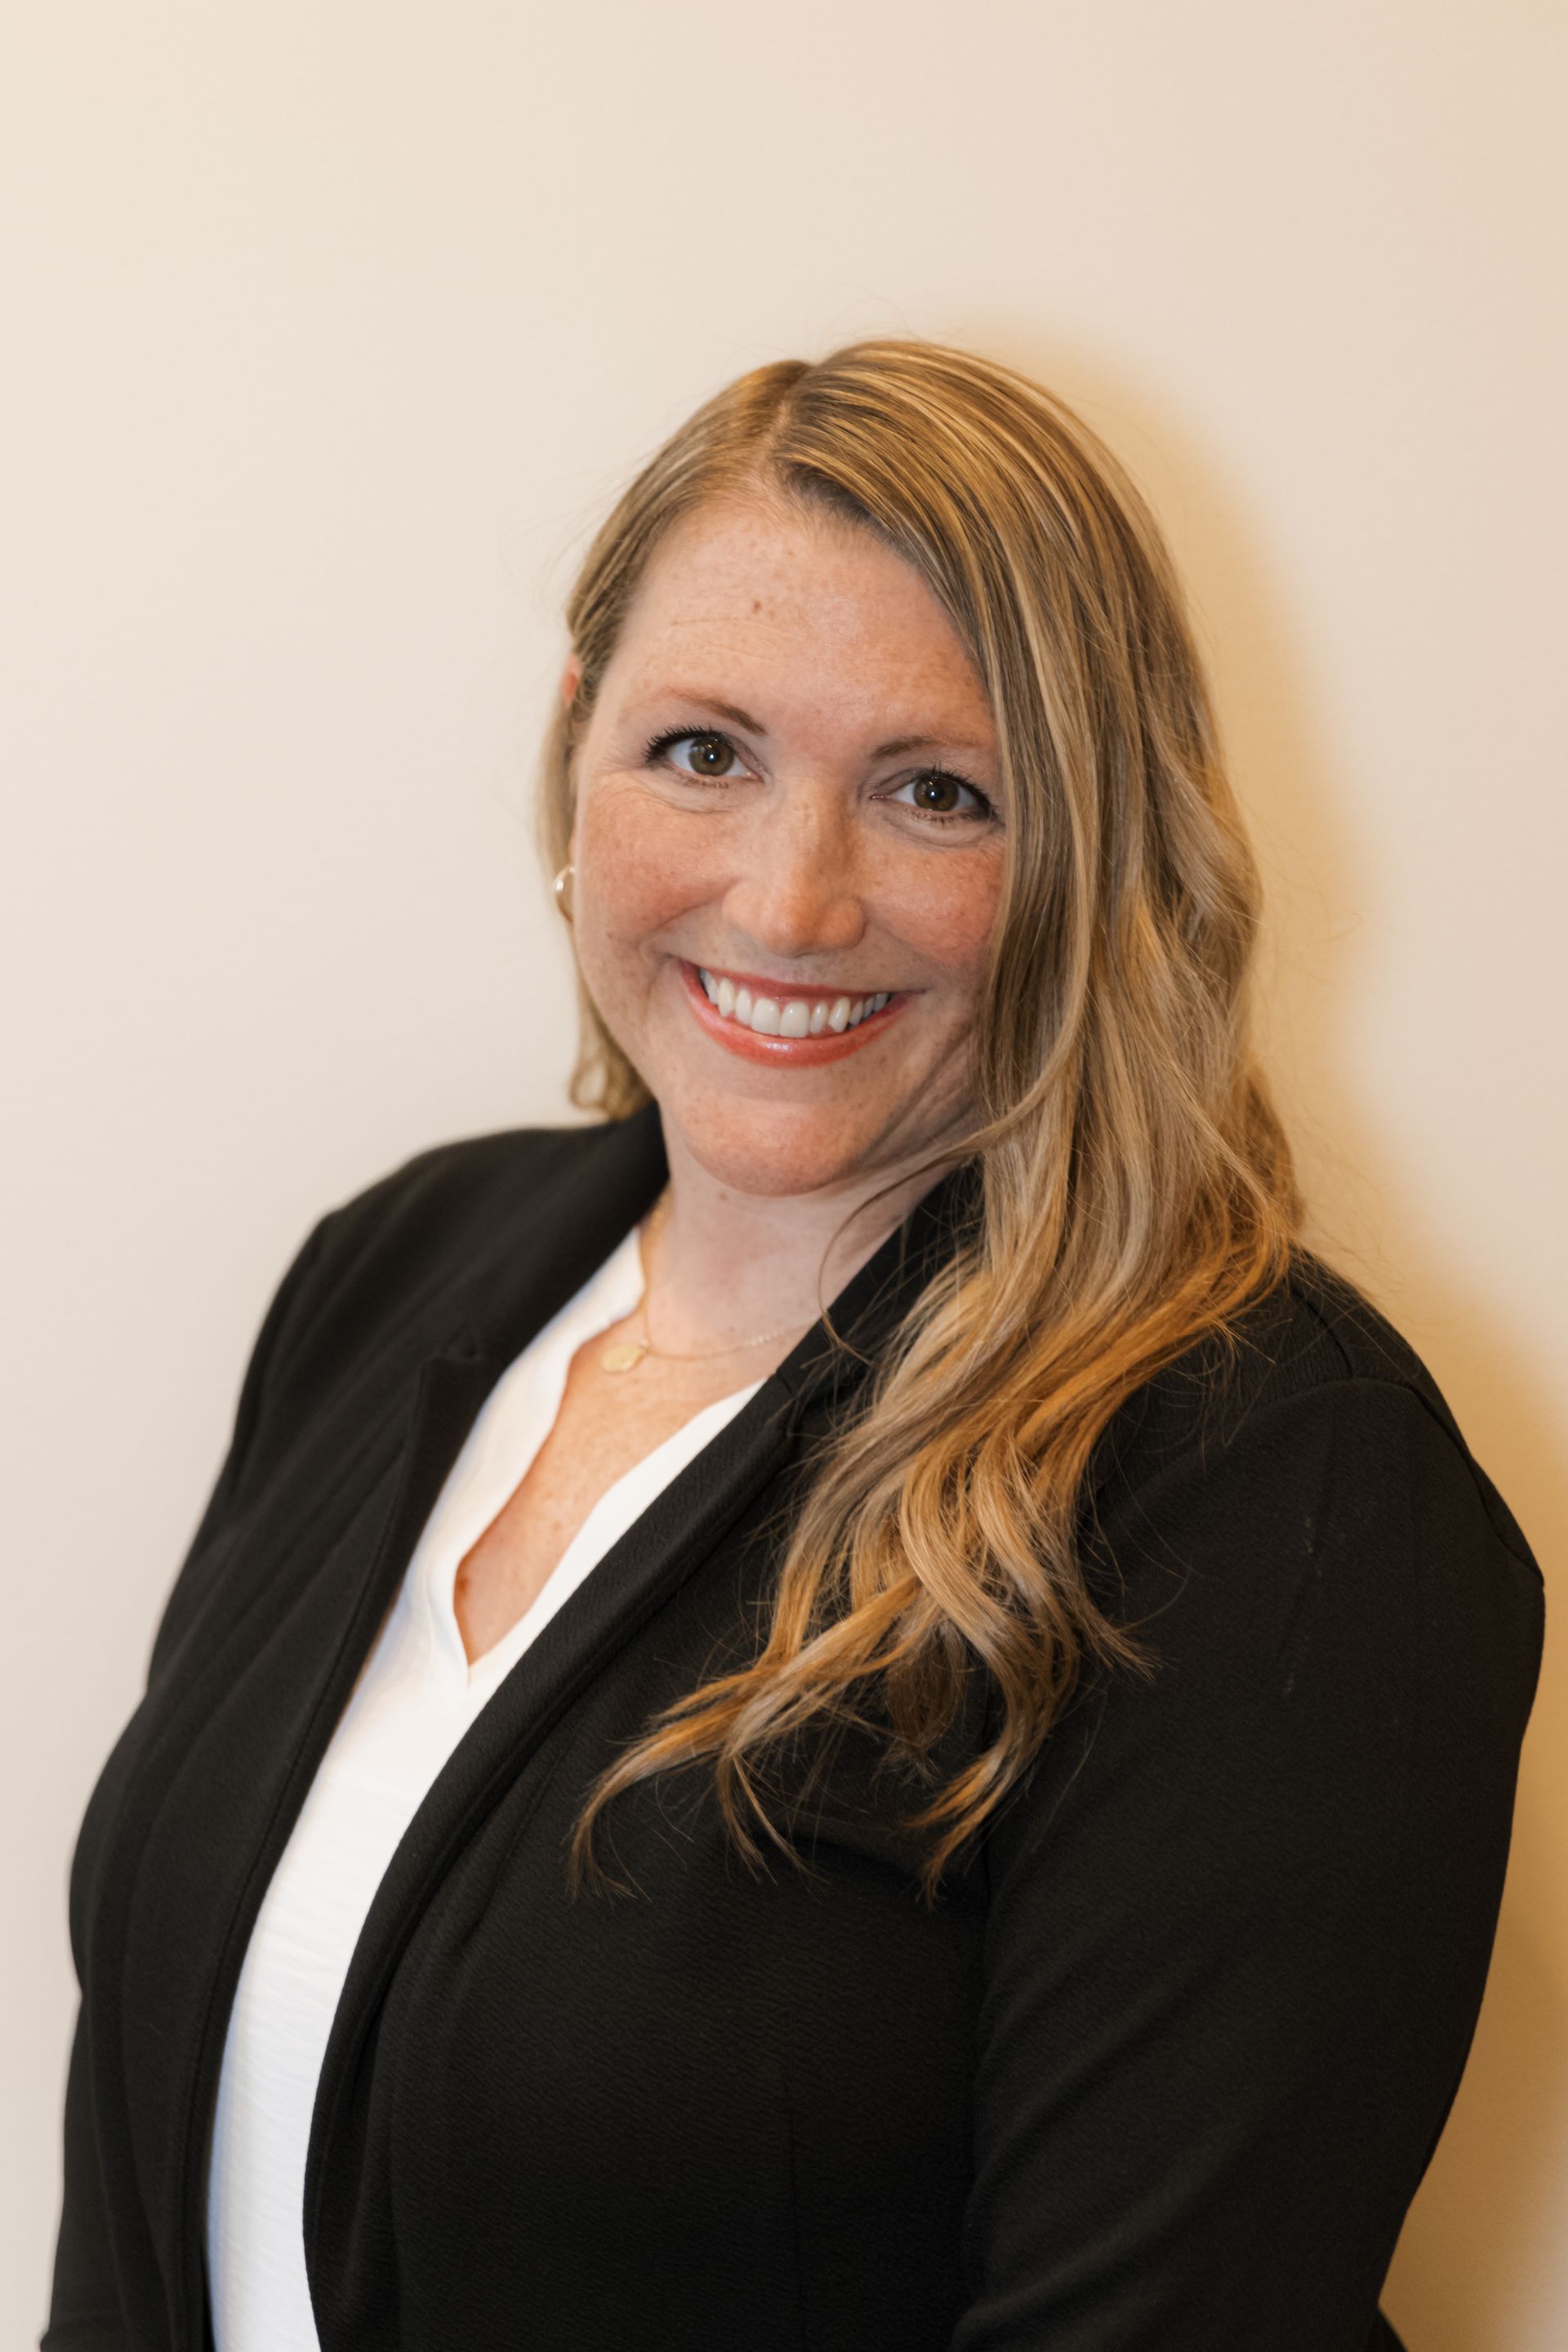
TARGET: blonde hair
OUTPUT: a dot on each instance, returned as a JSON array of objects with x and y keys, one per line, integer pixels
[{"x": 1134, "y": 1185}]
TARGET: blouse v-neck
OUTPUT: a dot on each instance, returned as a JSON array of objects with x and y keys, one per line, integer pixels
[{"x": 514, "y": 1423}]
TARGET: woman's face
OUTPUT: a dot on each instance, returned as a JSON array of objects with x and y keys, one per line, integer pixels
[{"x": 788, "y": 847}]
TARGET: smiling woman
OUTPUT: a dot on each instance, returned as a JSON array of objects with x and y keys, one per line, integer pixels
[
  {"x": 841, "y": 840},
  {"x": 853, "y": 1710}
]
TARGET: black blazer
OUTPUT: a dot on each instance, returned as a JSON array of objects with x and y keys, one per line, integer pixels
[{"x": 1160, "y": 2072}]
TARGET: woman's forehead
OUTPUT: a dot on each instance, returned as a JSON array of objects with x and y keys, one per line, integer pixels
[{"x": 765, "y": 592}]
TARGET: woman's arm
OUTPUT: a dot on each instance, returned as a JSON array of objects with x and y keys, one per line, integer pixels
[
  {"x": 288, "y": 1310},
  {"x": 85, "y": 2313},
  {"x": 84, "y": 2309},
  {"x": 1242, "y": 1915}
]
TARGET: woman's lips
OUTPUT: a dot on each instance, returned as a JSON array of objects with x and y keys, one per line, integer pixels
[{"x": 831, "y": 1044}]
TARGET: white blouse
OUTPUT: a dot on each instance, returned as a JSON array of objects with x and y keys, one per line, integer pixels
[{"x": 415, "y": 1698}]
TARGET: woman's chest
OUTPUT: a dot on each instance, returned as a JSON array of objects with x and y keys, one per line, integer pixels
[{"x": 607, "y": 1427}]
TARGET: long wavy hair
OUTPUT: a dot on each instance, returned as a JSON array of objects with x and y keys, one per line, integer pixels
[{"x": 1134, "y": 1185}]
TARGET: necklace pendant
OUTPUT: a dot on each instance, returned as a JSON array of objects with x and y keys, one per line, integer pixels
[{"x": 623, "y": 1355}]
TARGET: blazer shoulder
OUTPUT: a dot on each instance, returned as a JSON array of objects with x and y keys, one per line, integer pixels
[
  {"x": 445, "y": 1178},
  {"x": 1314, "y": 1330},
  {"x": 389, "y": 1270},
  {"x": 435, "y": 1211},
  {"x": 1314, "y": 1347}
]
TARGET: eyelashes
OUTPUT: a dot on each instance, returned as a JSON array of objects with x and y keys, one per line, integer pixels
[
  {"x": 660, "y": 744},
  {"x": 933, "y": 782}
]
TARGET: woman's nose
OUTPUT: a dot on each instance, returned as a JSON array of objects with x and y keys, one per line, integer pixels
[{"x": 799, "y": 889}]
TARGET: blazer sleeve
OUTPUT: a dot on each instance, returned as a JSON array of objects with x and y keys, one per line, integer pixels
[
  {"x": 85, "y": 2313},
  {"x": 1241, "y": 1914},
  {"x": 288, "y": 1312}
]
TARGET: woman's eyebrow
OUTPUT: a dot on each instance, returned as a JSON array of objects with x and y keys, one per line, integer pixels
[
  {"x": 890, "y": 750},
  {"x": 738, "y": 717},
  {"x": 730, "y": 710}
]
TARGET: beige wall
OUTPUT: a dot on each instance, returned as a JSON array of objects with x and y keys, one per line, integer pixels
[{"x": 330, "y": 325}]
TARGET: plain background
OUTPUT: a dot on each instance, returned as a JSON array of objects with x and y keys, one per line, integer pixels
[{"x": 330, "y": 329}]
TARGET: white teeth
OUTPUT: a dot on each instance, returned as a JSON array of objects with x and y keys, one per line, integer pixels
[{"x": 791, "y": 1016}]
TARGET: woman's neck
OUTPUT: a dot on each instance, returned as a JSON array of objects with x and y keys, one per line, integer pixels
[{"x": 724, "y": 1264}]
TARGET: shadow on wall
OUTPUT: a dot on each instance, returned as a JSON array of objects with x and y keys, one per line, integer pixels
[{"x": 1483, "y": 2228}]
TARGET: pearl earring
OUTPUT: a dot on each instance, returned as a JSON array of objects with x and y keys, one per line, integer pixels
[{"x": 562, "y": 886}]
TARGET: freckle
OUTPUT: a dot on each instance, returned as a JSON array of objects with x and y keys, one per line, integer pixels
[{"x": 756, "y": 603}]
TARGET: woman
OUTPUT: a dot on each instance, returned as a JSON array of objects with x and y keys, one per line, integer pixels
[{"x": 855, "y": 1709}]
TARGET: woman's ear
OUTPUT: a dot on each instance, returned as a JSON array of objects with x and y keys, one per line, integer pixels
[{"x": 571, "y": 678}]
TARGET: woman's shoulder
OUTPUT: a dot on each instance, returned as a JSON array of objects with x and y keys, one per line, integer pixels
[
  {"x": 1290, "y": 1524},
  {"x": 393, "y": 1272},
  {"x": 443, "y": 1214},
  {"x": 443, "y": 1195},
  {"x": 1312, "y": 1388}
]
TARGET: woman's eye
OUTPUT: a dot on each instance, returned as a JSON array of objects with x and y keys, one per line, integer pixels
[
  {"x": 938, "y": 793},
  {"x": 698, "y": 755}
]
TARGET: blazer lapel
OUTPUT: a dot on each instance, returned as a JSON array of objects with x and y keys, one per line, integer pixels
[{"x": 537, "y": 1255}]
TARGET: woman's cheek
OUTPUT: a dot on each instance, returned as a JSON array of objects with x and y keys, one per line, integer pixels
[
  {"x": 950, "y": 905},
  {"x": 636, "y": 865},
  {"x": 641, "y": 869}
]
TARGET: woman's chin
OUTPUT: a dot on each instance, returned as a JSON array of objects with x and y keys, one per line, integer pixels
[{"x": 777, "y": 1152}]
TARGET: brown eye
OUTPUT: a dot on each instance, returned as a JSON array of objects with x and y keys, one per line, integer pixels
[
  {"x": 709, "y": 755},
  {"x": 945, "y": 798},
  {"x": 938, "y": 794}
]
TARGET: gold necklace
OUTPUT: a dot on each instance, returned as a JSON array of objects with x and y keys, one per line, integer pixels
[{"x": 626, "y": 1355}]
